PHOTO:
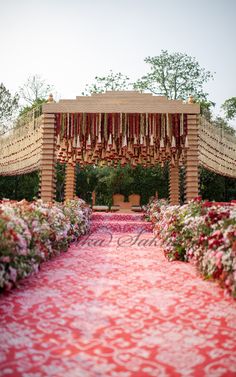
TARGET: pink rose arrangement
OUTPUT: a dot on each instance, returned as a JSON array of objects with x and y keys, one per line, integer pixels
[
  {"x": 202, "y": 233},
  {"x": 32, "y": 232}
]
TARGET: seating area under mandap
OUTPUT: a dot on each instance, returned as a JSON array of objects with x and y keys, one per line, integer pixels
[{"x": 119, "y": 204}]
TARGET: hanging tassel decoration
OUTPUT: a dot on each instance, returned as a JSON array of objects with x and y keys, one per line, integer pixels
[
  {"x": 173, "y": 142},
  {"x": 162, "y": 145},
  {"x": 105, "y": 127},
  {"x": 172, "y": 161},
  {"x": 152, "y": 141},
  {"x": 186, "y": 145},
  {"x": 146, "y": 124},
  {"x": 83, "y": 124},
  {"x": 124, "y": 143},
  {"x": 168, "y": 131},
  {"x": 58, "y": 141},
  {"x": 181, "y": 124},
  {"x": 121, "y": 116},
  {"x": 99, "y": 139},
  {"x": 74, "y": 142},
  {"x": 89, "y": 142},
  {"x": 142, "y": 124},
  {"x": 69, "y": 151},
  {"x": 68, "y": 126},
  {"x": 110, "y": 140},
  {"x": 78, "y": 145}
]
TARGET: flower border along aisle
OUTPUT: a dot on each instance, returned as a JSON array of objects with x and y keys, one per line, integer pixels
[
  {"x": 200, "y": 232},
  {"x": 32, "y": 232}
]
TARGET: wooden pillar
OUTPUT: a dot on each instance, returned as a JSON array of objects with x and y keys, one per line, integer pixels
[
  {"x": 70, "y": 182},
  {"x": 174, "y": 192},
  {"x": 48, "y": 159},
  {"x": 93, "y": 198},
  {"x": 191, "y": 177}
]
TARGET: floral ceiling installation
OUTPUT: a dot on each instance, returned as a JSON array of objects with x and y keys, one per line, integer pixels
[{"x": 107, "y": 138}]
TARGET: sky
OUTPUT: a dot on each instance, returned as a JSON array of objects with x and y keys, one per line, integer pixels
[{"x": 69, "y": 42}]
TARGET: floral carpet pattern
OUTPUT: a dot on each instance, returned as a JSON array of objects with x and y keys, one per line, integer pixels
[{"x": 114, "y": 306}]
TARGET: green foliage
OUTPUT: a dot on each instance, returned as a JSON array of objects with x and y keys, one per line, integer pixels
[
  {"x": 107, "y": 181},
  {"x": 223, "y": 125},
  {"x": 60, "y": 182},
  {"x": 36, "y": 104},
  {"x": 113, "y": 81},
  {"x": 8, "y": 106},
  {"x": 86, "y": 181},
  {"x": 175, "y": 76},
  {"x": 206, "y": 109},
  {"x": 113, "y": 181},
  {"x": 148, "y": 181},
  {"x": 229, "y": 106},
  {"x": 19, "y": 187},
  {"x": 216, "y": 187}
]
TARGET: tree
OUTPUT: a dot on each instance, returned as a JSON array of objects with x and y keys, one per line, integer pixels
[
  {"x": 34, "y": 90},
  {"x": 175, "y": 76},
  {"x": 113, "y": 81},
  {"x": 25, "y": 109},
  {"x": 20, "y": 187},
  {"x": 8, "y": 106},
  {"x": 206, "y": 109},
  {"x": 229, "y": 107},
  {"x": 107, "y": 181},
  {"x": 223, "y": 125}
]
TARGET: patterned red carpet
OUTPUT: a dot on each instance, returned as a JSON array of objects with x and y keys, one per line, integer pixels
[{"x": 113, "y": 306}]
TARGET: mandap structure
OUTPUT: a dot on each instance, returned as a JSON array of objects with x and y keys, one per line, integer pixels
[{"x": 117, "y": 127}]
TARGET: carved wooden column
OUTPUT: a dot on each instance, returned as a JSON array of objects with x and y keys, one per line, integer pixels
[
  {"x": 174, "y": 192},
  {"x": 191, "y": 177},
  {"x": 48, "y": 159},
  {"x": 70, "y": 182}
]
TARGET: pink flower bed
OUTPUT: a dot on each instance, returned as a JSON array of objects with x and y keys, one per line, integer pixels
[
  {"x": 31, "y": 233},
  {"x": 202, "y": 233}
]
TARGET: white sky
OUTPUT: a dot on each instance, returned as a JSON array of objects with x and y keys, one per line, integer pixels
[{"x": 69, "y": 42}]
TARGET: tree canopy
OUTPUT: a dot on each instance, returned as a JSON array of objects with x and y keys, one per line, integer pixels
[
  {"x": 112, "y": 81},
  {"x": 34, "y": 90},
  {"x": 175, "y": 76},
  {"x": 8, "y": 105},
  {"x": 223, "y": 125},
  {"x": 229, "y": 107}
]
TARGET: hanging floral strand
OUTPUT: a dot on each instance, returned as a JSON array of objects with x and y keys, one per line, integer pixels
[
  {"x": 146, "y": 124},
  {"x": 105, "y": 127},
  {"x": 168, "y": 128},
  {"x": 68, "y": 126},
  {"x": 181, "y": 124},
  {"x": 83, "y": 124}
]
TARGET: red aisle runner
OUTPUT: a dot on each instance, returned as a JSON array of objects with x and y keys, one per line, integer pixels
[{"x": 113, "y": 306}]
